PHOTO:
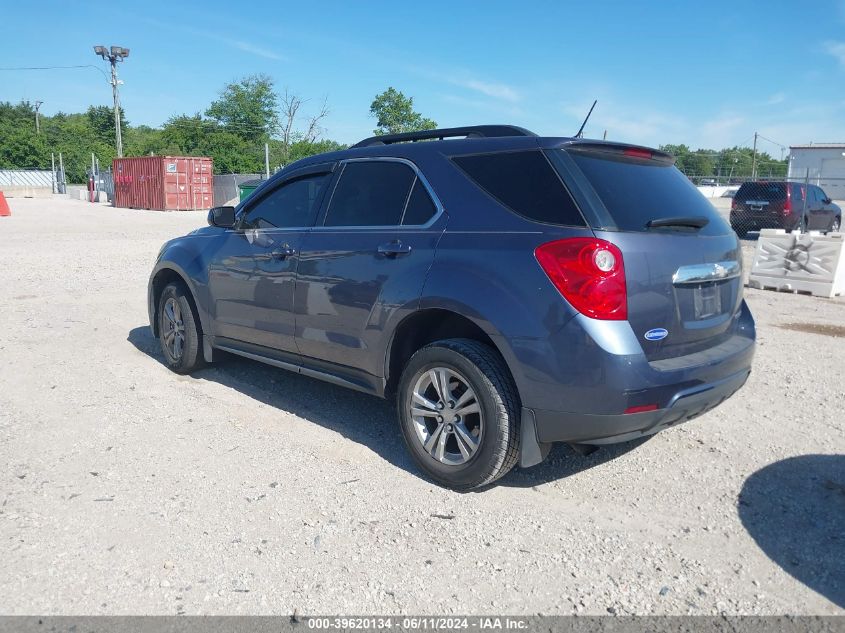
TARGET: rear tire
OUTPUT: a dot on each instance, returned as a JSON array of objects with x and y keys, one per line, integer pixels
[
  {"x": 459, "y": 413},
  {"x": 178, "y": 330}
]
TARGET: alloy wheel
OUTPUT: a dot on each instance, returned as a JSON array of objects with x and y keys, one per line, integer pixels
[
  {"x": 173, "y": 329},
  {"x": 446, "y": 416}
]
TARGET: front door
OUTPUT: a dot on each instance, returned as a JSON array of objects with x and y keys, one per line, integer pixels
[
  {"x": 251, "y": 278},
  {"x": 368, "y": 258}
]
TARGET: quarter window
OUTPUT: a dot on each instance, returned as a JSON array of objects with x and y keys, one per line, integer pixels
[
  {"x": 420, "y": 207},
  {"x": 526, "y": 183},
  {"x": 294, "y": 204},
  {"x": 370, "y": 193}
]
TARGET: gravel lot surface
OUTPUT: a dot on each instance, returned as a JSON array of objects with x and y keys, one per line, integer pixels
[{"x": 246, "y": 489}]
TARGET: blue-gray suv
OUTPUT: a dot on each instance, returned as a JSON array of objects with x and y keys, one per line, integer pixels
[{"x": 508, "y": 290}]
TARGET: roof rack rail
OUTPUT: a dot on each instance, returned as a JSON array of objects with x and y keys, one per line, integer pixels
[{"x": 472, "y": 131}]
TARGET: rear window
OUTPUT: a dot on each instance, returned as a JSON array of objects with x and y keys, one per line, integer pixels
[
  {"x": 526, "y": 183},
  {"x": 637, "y": 191},
  {"x": 761, "y": 191}
]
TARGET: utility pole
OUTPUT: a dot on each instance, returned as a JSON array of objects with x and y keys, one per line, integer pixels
[
  {"x": 267, "y": 161},
  {"x": 113, "y": 55},
  {"x": 754, "y": 159},
  {"x": 37, "y": 125}
]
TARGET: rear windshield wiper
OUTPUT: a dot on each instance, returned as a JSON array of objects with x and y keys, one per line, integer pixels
[{"x": 691, "y": 222}]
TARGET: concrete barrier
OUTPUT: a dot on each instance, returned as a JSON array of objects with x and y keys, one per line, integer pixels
[
  {"x": 27, "y": 191},
  {"x": 716, "y": 191},
  {"x": 799, "y": 262}
]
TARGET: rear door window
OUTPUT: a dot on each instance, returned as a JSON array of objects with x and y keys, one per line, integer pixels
[
  {"x": 638, "y": 191},
  {"x": 370, "y": 193},
  {"x": 524, "y": 182}
]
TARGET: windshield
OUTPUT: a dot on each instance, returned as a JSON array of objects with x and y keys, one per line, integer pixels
[{"x": 636, "y": 192}]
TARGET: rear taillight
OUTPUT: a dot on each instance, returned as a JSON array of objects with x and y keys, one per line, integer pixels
[
  {"x": 787, "y": 206},
  {"x": 733, "y": 203},
  {"x": 589, "y": 273}
]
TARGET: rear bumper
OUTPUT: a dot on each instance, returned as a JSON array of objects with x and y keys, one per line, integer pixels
[
  {"x": 685, "y": 404},
  {"x": 580, "y": 394},
  {"x": 749, "y": 221}
]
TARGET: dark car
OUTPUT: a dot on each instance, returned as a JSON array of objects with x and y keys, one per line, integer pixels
[
  {"x": 509, "y": 291},
  {"x": 783, "y": 205}
]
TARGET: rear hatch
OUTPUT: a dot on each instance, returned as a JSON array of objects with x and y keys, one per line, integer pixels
[
  {"x": 760, "y": 199},
  {"x": 681, "y": 258}
]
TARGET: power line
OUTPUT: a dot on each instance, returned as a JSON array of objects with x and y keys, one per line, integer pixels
[
  {"x": 55, "y": 68},
  {"x": 771, "y": 141}
]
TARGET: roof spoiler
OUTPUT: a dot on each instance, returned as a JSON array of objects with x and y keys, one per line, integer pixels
[
  {"x": 472, "y": 131},
  {"x": 619, "y": 149}
]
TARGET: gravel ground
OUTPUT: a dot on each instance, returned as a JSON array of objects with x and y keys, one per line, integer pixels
[{"x": 246, "y": 489}]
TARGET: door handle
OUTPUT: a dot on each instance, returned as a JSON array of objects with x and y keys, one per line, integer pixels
[
  {"x": 394, "y": 249},
  {"x": 283, "y": 252}
]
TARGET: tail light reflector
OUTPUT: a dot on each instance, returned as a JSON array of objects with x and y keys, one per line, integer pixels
[
  {"x": 641, "y": 409},
  {"x": 589, "y": 273},
  {"x": 787, "y": 206}
]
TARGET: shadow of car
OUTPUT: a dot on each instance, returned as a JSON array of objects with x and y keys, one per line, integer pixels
[
  {"x": 795, "y": 510},
  {"x": 359, "y": 417}
]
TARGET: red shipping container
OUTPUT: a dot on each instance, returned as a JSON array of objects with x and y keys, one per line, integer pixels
[{"x": 163, "y": 183}]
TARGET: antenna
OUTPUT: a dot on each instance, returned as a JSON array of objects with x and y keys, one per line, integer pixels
[{"x": 581, "y": 130}]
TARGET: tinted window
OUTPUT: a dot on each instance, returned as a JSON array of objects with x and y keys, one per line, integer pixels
[
  {"x": 293, "y": 204},
  {"x": 637, "y": 191},
  {"x": 525, "y": 182},
  {"x": 370, "y": 193},
  {"x": 797, "y": 193},
  {"x": 420, "y": 206},
  {"x": 761, "y": 191}
]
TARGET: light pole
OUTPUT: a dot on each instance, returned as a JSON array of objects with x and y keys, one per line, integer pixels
[{"x": 113, "y": 55}]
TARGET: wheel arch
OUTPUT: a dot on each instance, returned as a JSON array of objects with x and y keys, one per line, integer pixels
[
  {"x": 158, "y": 282},
  {"x": 425, "y": 326}
]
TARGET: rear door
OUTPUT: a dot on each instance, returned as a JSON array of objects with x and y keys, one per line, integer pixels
[
  {"x": 680, "y": 278},
  {"x": 367, "y": 258},
  {"x": 819, "y": 213}
]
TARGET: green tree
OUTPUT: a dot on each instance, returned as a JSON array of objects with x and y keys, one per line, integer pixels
[
  {"x": 394, "y": 113},
  {"x": 101, "y": 120},
  {"x": 247, "y": 108}
]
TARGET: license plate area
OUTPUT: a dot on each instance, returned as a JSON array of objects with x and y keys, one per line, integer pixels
[{"x": 707, "y": 301}]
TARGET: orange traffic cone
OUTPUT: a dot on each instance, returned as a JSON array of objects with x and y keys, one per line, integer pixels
[{"x": 4, "y": 207}]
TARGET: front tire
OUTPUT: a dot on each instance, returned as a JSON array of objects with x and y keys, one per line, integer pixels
[
  {"x": 178, "y": 330},
  {"x": 835, "y": 225},
  {"x": 459, "y": 413}
]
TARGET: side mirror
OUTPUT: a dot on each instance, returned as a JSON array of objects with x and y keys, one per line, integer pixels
[
  {"x": 827, "y": 200},
  {"x": 224, "y": 217}
]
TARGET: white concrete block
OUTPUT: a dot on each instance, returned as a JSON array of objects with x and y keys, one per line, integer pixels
[{"x": 799, "y": 262}]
